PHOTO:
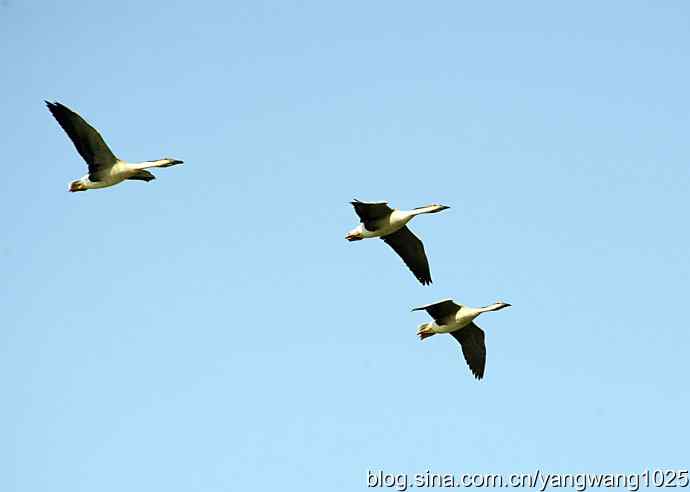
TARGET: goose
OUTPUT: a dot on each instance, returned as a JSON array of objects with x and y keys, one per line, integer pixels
[
  {"x": 104, "y": 168},
  {"x": 379, "y": 220},
  {"x": 457, "y": 320}
]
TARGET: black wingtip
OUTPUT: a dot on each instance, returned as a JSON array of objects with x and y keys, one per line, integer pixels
[
  {"x": 475, "y": 373},
  {"x": 53, "y": 107}
]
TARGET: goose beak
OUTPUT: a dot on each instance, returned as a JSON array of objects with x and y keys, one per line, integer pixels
[
  {"x": 353, "y": 236},
  {"x": 171, "y": 162}
]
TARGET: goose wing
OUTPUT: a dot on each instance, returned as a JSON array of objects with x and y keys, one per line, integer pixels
[
  {"x": 471, "y": 339},
  {"x": 142, "y": 175},
  {"x": 411, "y": 250},
  {"x": 85, "y": 138},
  {"x": 370, "y": 212},
  {"x": 440, "y": 310}
]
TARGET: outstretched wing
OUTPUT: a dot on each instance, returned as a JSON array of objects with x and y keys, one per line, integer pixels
[
  {"x": 142, "y": 175},
  {"x": 411, "y": 250},
  {"x": 370, "y": 212},
  {"x": 440, "y": 310},
  {"x": 471, "y": 339},
  {"x": 85, "y": 138}
]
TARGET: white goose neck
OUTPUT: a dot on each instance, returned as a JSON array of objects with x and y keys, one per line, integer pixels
[
  {"x": 149, "y": 164},
  {"x": 424, "y": 210},
  {"x": 491, "y": 307}
]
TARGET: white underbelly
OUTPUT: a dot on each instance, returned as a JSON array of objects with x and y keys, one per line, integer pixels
[
  {"x": 394, "y": 222},
  {"x": 456, "y": 324},
  {"x": 105, "y": 182},
  {"x": 383, "y": 231}
]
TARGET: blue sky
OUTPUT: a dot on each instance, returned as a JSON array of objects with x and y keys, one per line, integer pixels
[{"x": 212, "y": 330}]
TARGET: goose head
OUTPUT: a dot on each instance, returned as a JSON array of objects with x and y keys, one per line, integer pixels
[
  {"x": 167, "y": 162},
  {"x": 431, "y": 209},
  {"x": 438, "y": 208},
  {"x": 77, "y": 185}
]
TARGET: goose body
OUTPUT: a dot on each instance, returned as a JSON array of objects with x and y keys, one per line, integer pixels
[
  {"x": 383, "y": 226},
  {"x": 379, "y": 220},
  {"x": 458, "y": 320},
  {"x": 105, "y": 169}
]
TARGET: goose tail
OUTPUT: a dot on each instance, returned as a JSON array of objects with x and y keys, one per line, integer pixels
[{"x": 424, "y": 331}]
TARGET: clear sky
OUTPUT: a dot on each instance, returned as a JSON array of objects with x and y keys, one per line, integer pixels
[{"x": 212, "y": 330}]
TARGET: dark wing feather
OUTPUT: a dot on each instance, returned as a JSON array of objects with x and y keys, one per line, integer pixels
[
  {"x": 85, "y": 138},
  {"x": 471, "y": 339},
  {"x": 440, "y": 310},
  {"x": 411, "y": 250},
  {"x": 370, "y": 212},
  {"x": 143, "y": 175}
]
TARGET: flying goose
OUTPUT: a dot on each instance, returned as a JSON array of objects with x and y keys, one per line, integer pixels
[
  {"x": 104, "y": 168},
  {"x": 457, "y": 320},
  {"x": 379, "y": 220}
]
